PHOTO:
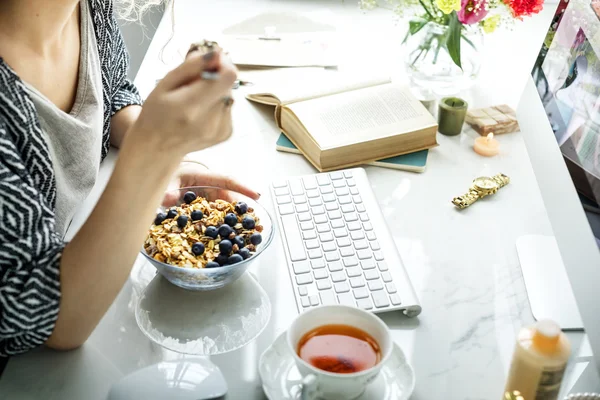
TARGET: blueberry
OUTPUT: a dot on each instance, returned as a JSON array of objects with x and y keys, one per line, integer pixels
[
  {"x": 234, "y": 259},
  {"x": 245, "y": 253},
  {"x": 212, "y": 264},
  {"x": 256, "y": 239},
  {"x": 239, "y": 240},
  {"x": 160, "y": 217},
  {"x": 241, "y": 208},
  {"x": 248, "y": 223},
  {"x": 198, "y": 248},
  {"x": 225, "y": 230},
  {"x": 172, "y": 213},
  {"x": 182, "y": 221},
  {"x": 231, "y": 219},
  {"x": 225, "y": 247},
  {"x": 188, "y": 197},
  {"x": 222, "y": 259},
  {"x": 197, "y": 215},
  {"x": 211, "y": 231}
]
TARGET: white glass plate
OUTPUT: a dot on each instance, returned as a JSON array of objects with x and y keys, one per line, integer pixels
[
  {"x": 203, "y": 323},
  {"x": 282, "y": 381}
]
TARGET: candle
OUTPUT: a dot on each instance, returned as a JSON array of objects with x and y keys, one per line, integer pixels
[
  {"x": 451, "y": 115},
  {"x": 486, "y": 146}
]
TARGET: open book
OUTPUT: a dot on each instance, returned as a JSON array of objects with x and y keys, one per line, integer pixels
[{"x": 337, "y": 121}]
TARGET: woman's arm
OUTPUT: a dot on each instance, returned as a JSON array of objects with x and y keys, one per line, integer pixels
[{"x": 121, "y": 121}]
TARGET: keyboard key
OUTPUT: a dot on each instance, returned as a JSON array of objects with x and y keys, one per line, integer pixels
[
  {"x": 375, "y": 285},
  {"x": 317, "y": 263},
  {"x": 331, "y": 206},
  {"x": 350, "y": 262},
  {"x": 357, "y": 199},
  {"x": 305, "y": 301},
  {"x": 380, "y": 298},
  {"x": 328, "y": 198},
  {"x": 328, "y": 297},
  {"x": 341, "y": 191},
  {"x": 281, "y": 191},
  {"x": 353, "y": 190},
  {"x": 322, "y": 228},
  {"x": 360, "y": 208},
  {"x": 329, "y": 246},
  {"x": 390, "y": 287},
  {"x": 375, "y": 245},
  {"x": 332, "y": 256},
  {"x": 296, "y": 187},
  {"x": 339, "y": 184},
  {"x": 315, "y": 202},
  {"x": 309, "y": 182},
  {"x": 367, "y": 264},
  {"x": 299, "y": 199},
  {"x": 284, "y": 199},
  {"x": 305, "y": 216},
  {"x": 302, "y": 208},
  {"x": 344, "y": 199},
  {"x": 357, "y": 282},
  {"x": 312, "y": 234},
  {"x": 326, "y": 189},
  {"x": 322, "y": 179},
  {"x": 344, "y": 242},
  {"x": 371, "y": 274},
  {"x": 365, "y": 304},
  {"x": 318, "y": 210},
  {"x": 354, "y": 226},
  {"x": 360, "y": 244},
  {"x": 353, "y": 272},
  {"x": 286, "y": 209},
  {"x": 363, "y": 254},
  {"x": 341, "y": 287},
  {"x": 279, "y": 184},
  {"x": 307, "y": 225},
  {"x": 368, "y": 226},
  {"x": 326, "y": 237},
  {"x": 350, "y": 216},
  {"x": 395, "y": 299},
  {"x": 314, "y": 300},
  {"x": 320, "y": 219},
  {"x": 312, "y": 193},
  {"x": 338, "y": 276},
  {"x": 302, "y": 290},
  {"x": 303, "y": 279},
  {"x": 371, "y": 235},
  {"x": 336, "y": 175},
  {"x": 347, "y": 251},
  {"x": 357, "y": 235},
  {"x": 293, "y": 238},
  {"x": 378, "y": 255},
  {"x": 347, "y": 208},
  {"x": 320, "y": 273},
  {"x": 382, "y": 266},
  {"x": 361, "y": 293},
  {"x": 312, "y": 244},
  {"x": 335, "y": 266},
  {"x": 337, "y": 223},
  {"x": 301, "y": 267},
  {"x": 340, "y": 232},
  {"x": 335, "y": 214},
  {"x": 386, "y": 276},
  {"x": 350, "y": 182},
  {"x": 315, "y": 253},
  {"x": 364, "y": 217},
  {"x": 346, "y": 299},
  {"x": 323, "y": 284}
]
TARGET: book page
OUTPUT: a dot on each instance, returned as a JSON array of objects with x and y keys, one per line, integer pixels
[
  {"x": 362, "y": 115},
  {"x": 300, "y": 84}
]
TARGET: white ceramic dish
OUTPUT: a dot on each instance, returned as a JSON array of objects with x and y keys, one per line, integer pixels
[{"x": 281, "y": 379}]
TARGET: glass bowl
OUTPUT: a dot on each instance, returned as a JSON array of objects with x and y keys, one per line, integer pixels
[{"x": 212, "y": 278}]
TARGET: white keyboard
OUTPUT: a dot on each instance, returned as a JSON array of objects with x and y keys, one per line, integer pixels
[{"x": 338, "y": 247}]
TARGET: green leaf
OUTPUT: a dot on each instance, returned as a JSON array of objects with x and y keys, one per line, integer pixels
[
  {"x": 466, "y": 39},
  {"x": 453, "y": 41},
  {"x": 415, "y": 26}
]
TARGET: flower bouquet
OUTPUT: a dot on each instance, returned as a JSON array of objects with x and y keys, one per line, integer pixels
[{"x": 444, "y": 36}]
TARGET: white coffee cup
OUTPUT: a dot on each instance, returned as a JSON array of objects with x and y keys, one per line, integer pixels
[{"x": 318, "y": 383}]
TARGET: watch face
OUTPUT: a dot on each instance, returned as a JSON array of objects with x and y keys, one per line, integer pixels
[{"x": 485, "y": 183}]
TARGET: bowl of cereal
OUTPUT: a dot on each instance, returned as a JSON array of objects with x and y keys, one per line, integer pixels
[{"x": 205, "y": 237}]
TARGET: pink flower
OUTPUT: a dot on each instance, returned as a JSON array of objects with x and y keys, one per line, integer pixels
[{"x": 472, "y": 11}]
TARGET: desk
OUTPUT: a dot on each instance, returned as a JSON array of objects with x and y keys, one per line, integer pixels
[{"x": 463, "y": 265}]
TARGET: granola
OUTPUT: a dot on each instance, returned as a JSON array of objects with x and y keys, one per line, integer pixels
[{"x": 204, "y": 234}]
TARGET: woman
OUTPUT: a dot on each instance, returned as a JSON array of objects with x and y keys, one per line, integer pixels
[{"x": 64, "y": 99}]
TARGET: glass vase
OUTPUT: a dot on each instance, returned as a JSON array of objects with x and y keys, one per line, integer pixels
[{"x": 430, "y": 66}]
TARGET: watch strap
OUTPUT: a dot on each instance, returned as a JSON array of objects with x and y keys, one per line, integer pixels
[
  {"x": 501, "y": 179},
  {"x": 466, "y": 200}
]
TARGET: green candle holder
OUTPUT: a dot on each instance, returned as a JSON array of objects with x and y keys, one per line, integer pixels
[{"x": 451, "y": 115}]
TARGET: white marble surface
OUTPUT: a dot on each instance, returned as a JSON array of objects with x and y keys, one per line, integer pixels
[{"x": 463, "y": 265}]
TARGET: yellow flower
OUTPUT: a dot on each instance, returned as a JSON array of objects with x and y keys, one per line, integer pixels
[
  {"x": 490, "y": 24},
  {"x": 447, "y": 6}
]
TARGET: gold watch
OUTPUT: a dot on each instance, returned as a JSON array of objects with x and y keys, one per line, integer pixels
[{"x": 482, "y": 186}]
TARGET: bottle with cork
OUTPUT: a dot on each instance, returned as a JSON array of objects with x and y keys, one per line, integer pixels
[{"x": 539, "y": 363}]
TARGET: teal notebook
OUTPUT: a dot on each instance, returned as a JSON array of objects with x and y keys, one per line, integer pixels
[{"x": 414, "y": 162}]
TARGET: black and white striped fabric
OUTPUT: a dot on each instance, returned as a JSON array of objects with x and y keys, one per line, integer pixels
[{"x": 30, "y": 249}]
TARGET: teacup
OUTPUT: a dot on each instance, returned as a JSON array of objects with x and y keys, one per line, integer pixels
[{"x": 318, "y": 383}]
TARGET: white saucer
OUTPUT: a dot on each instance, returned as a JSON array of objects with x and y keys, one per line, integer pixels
[{"x": 281, "y": 379}]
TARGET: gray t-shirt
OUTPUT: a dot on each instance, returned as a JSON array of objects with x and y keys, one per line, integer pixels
[{"x": 75, "y": 138}]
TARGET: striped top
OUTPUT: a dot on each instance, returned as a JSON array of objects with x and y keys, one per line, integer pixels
[{"x": 30, "y": 246}]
